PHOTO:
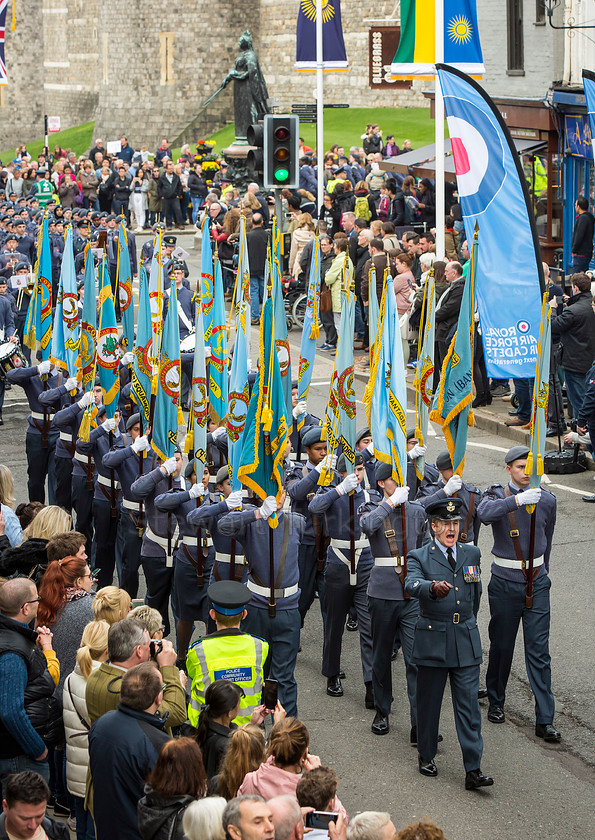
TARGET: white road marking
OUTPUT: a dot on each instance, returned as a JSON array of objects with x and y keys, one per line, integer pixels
[{"x": 570, "y": 489}]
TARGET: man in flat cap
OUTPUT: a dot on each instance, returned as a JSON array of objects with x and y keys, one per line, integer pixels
[
  {"x": 506, "y": 510},
  {"x": 445, "y": 576}
]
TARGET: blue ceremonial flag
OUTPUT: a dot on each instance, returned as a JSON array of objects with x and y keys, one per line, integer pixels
[
  {"x": 218, "y": 379},
  {"x": 534, "y": 466},
  {"x": 281, "y": 342},
  {"x": 452, "y": 401},
  {"x": 493, "y": 192},
  {"x": 108, "y": 358},
  {"x": 373, "y": 307},
  {"x": 267, "y": 428},
  {"x": 38, "y": 326},
  {"x": 124, "y": 272},
  {"x": 167, "y": 401},
  {"x": 589, "y": 88},
  {"x": 196, "y": 438},
  {"x": 397, "y": 389},
  {"x": 311, "y": 329},
  {"x": 142, "y": 369},
  {"x": 333, "y": 45},
  {"x": 424, "y": 371},
  {"x": 65, "y": 334},
  {"x": 241, "y": 293},
  {"x": 156, "y": 300},
  {"x": 376, "y": 392},
  {"x": 89, "y": 323},
  {"x": 207, "y": 285},
  {"x": 237, "y": 407}
]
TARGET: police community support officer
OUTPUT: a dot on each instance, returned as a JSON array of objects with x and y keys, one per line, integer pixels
[
  {"x": 505, "y": 509},
  {"x": 228, "y": 654},
  {"x": 446, "y": 577}
]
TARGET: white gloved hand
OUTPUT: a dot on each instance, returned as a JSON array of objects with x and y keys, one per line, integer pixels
[
  {"x": 529, "y": 497},
  {"x": 399, "y": 497},
  {"x": 197, "y": 490},
  {"x": 416, "y": 452},
  {"x": 127, "y": 358},
  {"x": 219, "y": 432},
  {"x": 86, "y": 399},
  {"x": 44, "y": 367},
  {"x": 347, "y": 485},
  {"x": 454, "y": 483},
  {"x": 234, "y": 500},
  {"x": 326, "y": 463},
  {"x": 370, "y": 447},
  {"x": 170, "y": 466},
  {"x": 268, "y": 507},
  {"x": 109, "y": 425},
  {"x": 207, "y": 351},
  {"x": 299, "y": 409},
  {"x": 140, "y": 444},
  {"x": 71, "y": 384}
]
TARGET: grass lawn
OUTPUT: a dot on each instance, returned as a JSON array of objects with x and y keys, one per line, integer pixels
[{"x": 78, "y": 139}]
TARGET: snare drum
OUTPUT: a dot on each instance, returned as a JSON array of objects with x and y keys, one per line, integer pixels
[
  {"x": 187, "y": 344},
  {"x": 11, "y": 357}
]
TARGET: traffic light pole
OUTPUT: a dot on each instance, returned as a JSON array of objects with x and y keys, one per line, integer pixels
[
  {"x": 319, "y": 104},
  {"x": 279, "y": 209}
]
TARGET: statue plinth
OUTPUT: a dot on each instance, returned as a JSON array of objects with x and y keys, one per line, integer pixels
[{"x": 237, "y": 169}]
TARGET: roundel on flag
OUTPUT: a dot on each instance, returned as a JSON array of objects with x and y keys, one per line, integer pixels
[{"x": 478, "y": 157}]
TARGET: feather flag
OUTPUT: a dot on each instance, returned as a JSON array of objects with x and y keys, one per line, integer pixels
[
  {"x": 38, "y": 327},
  {"x": 196, "y": 438},
  {"x": 207, "y": 284},
  {"x": 424, "y": 372},
  {"x": 452, "y": 401},
  {"x": 534, "y": 466},
  {"x": 333, "y": 44},
  {"x": 237, "y": 407},
  {"x": 108, "y": 358},
  {"x": 267, "y": 430},
  {"x": 142, "y": 370},
  {"x": 65, "y": 342},
  {"x": 124, "y": 272},
  {"x": 167, "y": 403},
  {"x": 218, "y": 379},
  {"x": 311, "y": 329},
  {"x": 89, "y": 323}
]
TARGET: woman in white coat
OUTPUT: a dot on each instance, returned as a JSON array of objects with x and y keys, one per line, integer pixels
[{"x": 90, "y": 655}]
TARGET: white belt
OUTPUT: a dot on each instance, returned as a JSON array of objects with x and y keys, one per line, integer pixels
[
  {"x": 226, "y": 558},
  {"x": 135, "y": 506},
  {"x": 265, "y": 591},
  {"x": 392, "y": 562},
  {"x": 163, "y": 543},
  {"x": 65, "y": 437},
  {"x": 37, "y": 416},
  {"x": 515, "y": 564},
  {"x": 193, "y": 541},
  {"x": 102, "y": 479},
  {"x": 82, "y": 458},
  {"x": 339, "y": 547}
]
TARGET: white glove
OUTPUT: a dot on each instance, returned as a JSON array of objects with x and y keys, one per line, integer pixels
[
  {"x": 299, "y": 409},
  {"x": 140, "y": 444},
  {"x": 249, "y": 365},
  {"x": 399, "y": 497},
  {"x": 197, "y": 490},
  {"x": 529, "y": 497},
  {"x": 234, "y": 500},
  {"x": 454, "y": 483},
  {"x": 328, "y": 463},
  {"x": 109, "y": 425},
  {"x": 268, "y": 507},
  {"x": 370, "y": 447},
  {"x": 416, "y": 452},
  {"x": 44, "y": 367},
  {"x": 219, "y": 432},
  {"x": 207, "y": 351},
  {"x": 127, "y": 358},
  {"x": 170, "y": 466},
  {"x": 347, "y": 485},
  {"x": 86, "y": 399},
  {"x": 71, "y": 384}
]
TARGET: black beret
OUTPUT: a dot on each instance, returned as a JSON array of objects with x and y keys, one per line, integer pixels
[
  {"x": 383, "y": 471},
  {"x": 132, "y": 421},
  {"x": 222, "y": 474},
  {"x": 342, "y": 461},
  {"x": 516, "y": 453},
  {"x": 189, "y": 468},
  {"x": 443, "y": 461},
  {"x": 312, "y": 435},
  {"x": 362, "y": 433}
]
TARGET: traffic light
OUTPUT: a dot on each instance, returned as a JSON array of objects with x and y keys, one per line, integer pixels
[
  {"x": 281, "y": 150},
  {"x": 255, "y": 158}
]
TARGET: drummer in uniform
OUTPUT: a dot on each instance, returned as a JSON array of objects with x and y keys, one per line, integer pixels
[
  {"x": 7, "y": 336},
  {"x": 449, "y": 485}
]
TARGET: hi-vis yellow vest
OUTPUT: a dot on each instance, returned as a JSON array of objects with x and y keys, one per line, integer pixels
[{"x": 227, "y": 655}]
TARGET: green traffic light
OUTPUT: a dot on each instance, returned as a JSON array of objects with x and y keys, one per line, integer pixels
[{"x": 281, "y": 174}]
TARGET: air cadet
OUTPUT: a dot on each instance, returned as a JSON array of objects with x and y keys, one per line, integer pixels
[
  {"x": 281, "y": 630},
  {"x": 130, "y": 457},
  {"x": 448, "y": 485},
  {"x": 431, "y": 474},
  {"x": 345, "y": 581},
  {"x": 299, "y": 408},
  {"x": 53, "y": 400},
  {"x": 185, "y": 301},
  {"x": 505, "y": 509},
  {"x": 390, "y": 608},
  {"x": 228, "y": 654},
  {"x": 446, "y": 578},
  {"x": 23, "y": 298},
  {"x": 302, "y": 485},
  {"x": 229, "y": 555},
  {"x": 159, "y": 538},
  {"x": 364, "y": 444},
  {"x": 194, "y": 558},
  {"x": 7, "y": 331}
]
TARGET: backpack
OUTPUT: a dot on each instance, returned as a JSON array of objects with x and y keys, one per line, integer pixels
[
  {"x": 362, "y": 208},
  {"x": 383, "y": 208},
  {"x": 410, "y": 203}
]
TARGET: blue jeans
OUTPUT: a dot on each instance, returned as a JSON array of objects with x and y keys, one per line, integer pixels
[
  {"x": 576, "y": 384},
  {"x": 197, "y": 203},
  {"x": 256, "y": 294},
  {"x": 580, "y": 263},
  {"x": 523, "y": 388},
  {"x": 11, "y": 766},
  {"x": 85, "y": 827},
  {"x": 360, "y": 326}
]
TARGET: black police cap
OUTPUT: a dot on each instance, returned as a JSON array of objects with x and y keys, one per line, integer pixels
[
  {"x": 229, "y": 597},
  {"x": 445, "y": 509}
]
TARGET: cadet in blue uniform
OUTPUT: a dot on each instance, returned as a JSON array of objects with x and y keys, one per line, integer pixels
[
  {"x": 299, "y": 408},
  {"x": 390, "y": 609},
  {"x": 302, "y": 485},
  {"x": 194, "y": 559},
  {"x": 431, "y": 474},
  {"x": 53, "y": 400},
  {"x": 446, "y": 577},
  {"x": 281, "y": 631},
  {"x": 7, "y": 330},
  {"x": 341, "y": 587},
  {"x": 505, "y": 509},
  {"x": 364, "y": 444},
  {"x": 446, "y": 486}
]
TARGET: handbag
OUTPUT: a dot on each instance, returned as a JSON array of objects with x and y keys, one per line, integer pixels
[{"x": 326, "y": 299}]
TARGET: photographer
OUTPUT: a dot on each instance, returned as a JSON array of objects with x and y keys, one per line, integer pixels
[{"x": 128, "y": 644}]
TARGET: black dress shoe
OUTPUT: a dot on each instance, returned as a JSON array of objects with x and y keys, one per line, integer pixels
[
  {"x": 496, "y": 714},
  {"x": 334, "y": 687},
  {"x": 1, "y": 421},
  {"x": 590, "y": 499},
  {"x": 475, "y": 779},
  {"x": 369, "y": 699},
  {"x": 380, "y": 724},
  {"x": 341, "y": 674},
  {"x": 427, "y": 768},
  {"x": 482, "y": 693},
  {"x": 351, "y": 624},
  {"x": 548, "y": 732}
]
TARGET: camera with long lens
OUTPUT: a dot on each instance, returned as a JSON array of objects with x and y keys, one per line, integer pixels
[{"x": 155, "y": 648}]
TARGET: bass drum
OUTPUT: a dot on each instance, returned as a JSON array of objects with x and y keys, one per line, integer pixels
[
  {"x": 187, "y": 344},
  {"x": 11, "y": 358}
]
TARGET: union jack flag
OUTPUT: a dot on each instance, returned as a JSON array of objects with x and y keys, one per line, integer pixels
[{"x": 3, "y": 7}]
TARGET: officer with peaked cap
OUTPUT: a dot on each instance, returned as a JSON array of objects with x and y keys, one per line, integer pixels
[
  {"x": 506, "y": 510},
  {"x": 431, "y": 474},
  {"x": 448, "y": 485},
  {"x": 446, "y": 578},
  {"x": 227, "y": 654}
]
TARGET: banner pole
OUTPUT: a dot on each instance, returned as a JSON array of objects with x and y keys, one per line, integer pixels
[
  {"x": 439, "y": 130},
  {"x": 319, "y": 104}
]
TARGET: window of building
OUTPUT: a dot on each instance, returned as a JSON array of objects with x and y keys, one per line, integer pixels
[
  {"x": 539, "y": 11},
  {"x": 515, "y": 38},
  {"x": 166, "y": 44}
]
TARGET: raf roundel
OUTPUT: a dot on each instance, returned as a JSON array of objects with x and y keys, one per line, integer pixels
[{"x": 523, "y": 327}]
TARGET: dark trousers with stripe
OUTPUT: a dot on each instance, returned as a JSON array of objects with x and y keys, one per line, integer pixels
[
  {"x": 159, "y": 578},
  {"x": 82, "y": 503},
  {"x": 311, "y": 578},
  {"x": 388, "y": 617},
  {"x": 41, "y": 463},
  {"x": 63, "y": 467},
  {"x": 106, "y": 530},
  {"x": 128, "y": 546},
  {"x": 339, "y": 595}
]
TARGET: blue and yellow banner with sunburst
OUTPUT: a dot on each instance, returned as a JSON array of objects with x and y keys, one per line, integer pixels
[
  {"x": 333, "y": 45},
  {"x": 416, "y": 53}
]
